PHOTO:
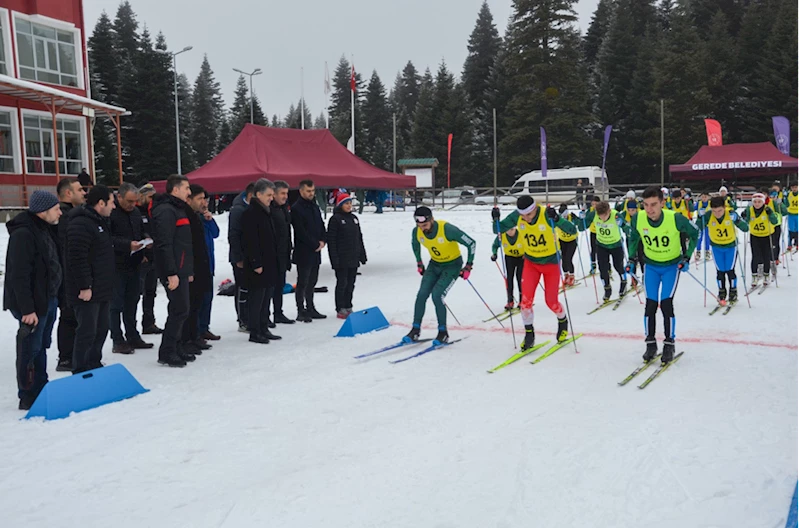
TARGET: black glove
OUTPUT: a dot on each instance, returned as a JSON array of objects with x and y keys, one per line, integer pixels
[
  {"x": 685, "y": 263},
  {"x": 563, "y": 207},
  {"x": 769, "y": 211},
  {"x": 420, "y": 267},
  {"x": 495, "y": 213},
  {"x": 552, "y": 213},
  {"x": 493, "y": 258}
]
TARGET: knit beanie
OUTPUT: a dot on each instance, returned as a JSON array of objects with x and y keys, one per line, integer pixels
[{"x": 41, "y": 201}]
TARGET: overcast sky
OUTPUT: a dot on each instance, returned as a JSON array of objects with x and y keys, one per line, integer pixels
[{"x": 280, "y": 37}]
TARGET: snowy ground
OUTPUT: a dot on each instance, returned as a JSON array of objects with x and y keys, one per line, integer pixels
[{"x": 299, "y": 434}]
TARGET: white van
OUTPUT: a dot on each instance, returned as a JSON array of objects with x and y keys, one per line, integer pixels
[{"x": 562, "y": 185}]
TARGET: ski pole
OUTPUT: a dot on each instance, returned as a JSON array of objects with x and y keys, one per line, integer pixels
[
  {"x": 588, "y": 241},
  {"x": 700, "y": 283},
  {"x": 705, "y": 284},
  {"x": 743, "y": 274},
  {"x": 565, "y": 297},
  {"x": 501, "y": 273},
  {"x": 452, "y": 314},
  {"x": 485, "y": 303},
  {"x": 582, "y": 267},
  {"x": 507, "y": 285}
]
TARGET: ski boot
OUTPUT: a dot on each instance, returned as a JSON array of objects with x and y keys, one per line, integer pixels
[
  {"x": 722, "y": 296},
  {"x": 755, "y": 280},
  {"x": 774, "y": 271},
  {"x": 529, "y": 337},
  {"x": 563, "y": 329},
  {"x": 733, "y": 295},
  {"x": 441, "y": 338},
  {"x": 509, "y": 306},
  {"x": 622, "y": 289},
  {"x": 698, "y": 256},
  {"x": 608, "y": 293},
  {"x": 413, "y": 335},
  {"x": 668, "y": 351},
  {"x": 651, "y": 350},
  {"x": 708, "y": 255},
  {"x": 570, "y": 279}
]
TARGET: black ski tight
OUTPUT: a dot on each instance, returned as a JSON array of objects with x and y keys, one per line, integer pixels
[
  {"x": 761, "y": 254},
  {"x": 721, "y": 277},
  {"x": 667, "y": 309},
  {"x": 514, "y": 267},
  {"x": 567, "y": 250}
]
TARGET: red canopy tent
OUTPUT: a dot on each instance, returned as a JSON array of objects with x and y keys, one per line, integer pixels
[
  {"x": 734, "y": 161},
  {"x": 290, "y": 155}
]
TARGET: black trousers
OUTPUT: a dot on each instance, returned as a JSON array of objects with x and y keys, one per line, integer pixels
[
  {"x": 306, "y": 281},
  {"x": 277, "y": 294},
  {"x": 191, "y": 327},
  {"x": 514, "y": 267},
  {"x": 240, "y": 295},
  {"x": 593, "y": 248},
  {"x": 775, "y": 243},
  {"x": 567, "y": 250},
  {"x": 603, "y": 257},
  {"x": 258, "y": 306},
  {"x": 65, "y": 334},
  {"x": 126, "y": 299},
  {"x": 90, "y": 335},
  {"x": 177, "y": 312},
  {"x": 345, "y": 285},
  {"x": 761, "y": 253},
  {"x": 149, "y": 285}
]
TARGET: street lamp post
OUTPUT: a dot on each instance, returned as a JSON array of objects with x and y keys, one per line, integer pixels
[
  {"x": 256, "y": 71},
  {"x": 177, "y": 111}
]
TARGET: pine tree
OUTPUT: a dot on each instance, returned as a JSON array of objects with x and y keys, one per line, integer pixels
[
  {"x": 126, "y": 31},
  {"x": 206, "y": 113},
  {"x": 484, "y": 47},
  {"x": 449, "y": 104},
  {"x": 276, "y": 122},
  {"x": 377, "y": 146},
  {"x": 104, "y": 81},
  {"x": 259, "y": 118},
  {"x": 240, "y": 111},
  {"x": 597, "y": 31},
  {"x": 404, "y": 98},
  {"x": 423, "y": 142},
  {"x": 319, "y": 123},
  {"x": 225, "y": 133},
  {"x": 720, "y": 76},
  {"x": 126, "y": 48},
  {"x": 294, "y": 117},
  {"x": 664, "y": 9},
  {"x": 188, "y": 155}
]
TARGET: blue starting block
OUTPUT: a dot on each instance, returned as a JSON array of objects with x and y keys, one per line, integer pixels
[
  {"x": 84, "y": 391},
  {"x": 363, "y": 321}
]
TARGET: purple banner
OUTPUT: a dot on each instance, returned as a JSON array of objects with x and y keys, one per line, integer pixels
[
  {"x": 608, "y": 130},
  {"x": 543, "y": 153},
  {"x": 782, "y": 134}
]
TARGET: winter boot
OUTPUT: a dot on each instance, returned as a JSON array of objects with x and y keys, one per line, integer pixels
[
  {"x": 668, "y": 351},
  {"x": 270, "y": 336},
  {"x": 341, "y": 313},
  {"x": 138, "y": 343},
  {"x": 152, "y": 330},
  {"x": 708, "y": 255},
  {"x": 122, "y": 348},
  {"x": 722, "y": 295},
  {"x": 529, "y": 337},
  {"x": 651, "y": 350},
  {"x": 314, "y": 314},
  {"x": 698, "y": 255},
  {"x": 608, "y": 293},
  {"x": 563, "y": 329},
  {"x": 413, "y": 335},
  {"x": 282, "y": 319},
  {"x": 623, "y": 288},
  {"x": 303, "y": 316},
  {"x": 441, "y": 338},
  {"x": 64, "y": 365},
  {"x": 733, "y": 295},
  {"x": 171, "y": 360}
]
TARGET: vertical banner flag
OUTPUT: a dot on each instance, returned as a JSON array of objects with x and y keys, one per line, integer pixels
[
  {"x": 449, "y": 156},
  {"x": 782, "y": 134},
  {"x": 713, "y": 128},
  {"x": 608, "y": 130},
  {"x": 543, "y": 153}
]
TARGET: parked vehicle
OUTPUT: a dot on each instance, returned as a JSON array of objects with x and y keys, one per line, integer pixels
[{"x": 562, "y": 185}]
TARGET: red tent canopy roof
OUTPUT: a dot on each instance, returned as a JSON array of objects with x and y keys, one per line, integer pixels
[
  {"x": 290, "y": 155},
  {"x": 735, "y": 160}
]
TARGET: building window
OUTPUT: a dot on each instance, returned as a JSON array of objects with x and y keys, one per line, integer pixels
[
  {"x": 39, "y": 145},
  {"x": 6, "y": 143},
  {"x": 46, "y": 54},
  {"x": 3, "y": 68}
]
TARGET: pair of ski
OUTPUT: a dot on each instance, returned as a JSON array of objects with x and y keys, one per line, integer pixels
[
  {"x": 526, "y": 352},
  {"x": 760, "y": 289},
  {"x": 615, "y": 303},
  {"x": 727, "y": 307},
  {"x": 433, "y": 346},
  {"x": 662, "y": 367},
  {"x": 503, "y": 315}
]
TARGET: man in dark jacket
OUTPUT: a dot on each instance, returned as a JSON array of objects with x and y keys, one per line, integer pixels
[
  {"x": 90, "y": 276},
  {"x": 70, "y": 195},
  {"x": 346, "y": 250},
  {"x": 260, "y": 260},
  {"x": 126, "y": 232},
  {"x": 85, "y": 179},
  {"x": 174, "y": 263},
  {"x": 149, "y": 277},
  {"x": 211, "y": 232},
  {"x": 309, "y": 240},
  {"x": 201, "y": 282},
  {"x": 33, "y": 280},
  {"x": 236, "y": 257},
  {"x": 281, "y": 219}
]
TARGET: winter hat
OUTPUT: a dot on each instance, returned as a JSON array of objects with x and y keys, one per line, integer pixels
[
  {"x": 631, "y": 194},
  {"x": 723, "y": 189},
  {"x": 41, "y": 201},
  {"x": 525, "y": 204},
  {"x": 665, "y": 191},
  {"x": 147, "y": 188},
  {"x": 341, "y": 198},
  {"x": 422, "y": 214},
  {"x": 756, "y": 196},
  {"x": 632, "y": 204},
  {"x": 676, "y": 194}
]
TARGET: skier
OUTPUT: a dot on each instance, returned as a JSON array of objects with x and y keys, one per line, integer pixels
[
  {"x": 777, "y": 202},
  {"x": 592, "y": 229},
  {"x": 793, "y": 217},
  {"x": 679, "y": 205},
  {"x": 441, "y": 239},
  {"x": 513, "y": 248},
  {"x": 702, "y": 207},
  {"x": 568, "y": 246},
  {"x": 761, "y": 219},
  {"x": 536, "y": 227},
  {"x": 661, "y": 233},
  {"x": 729, "y": 200},
  {"x": 718, "y": 224},
  {"x": 632, "y": 211},
  {"x": 608, "y": 235}
]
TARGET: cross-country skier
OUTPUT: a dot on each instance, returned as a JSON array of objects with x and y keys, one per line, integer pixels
[
  {"x": 679, "y": 205},
  {"x": 660, "y": 231},
  {"x": 632, "y": 263},
  {"x": 536, "y": 227},
  {"x": 719, "y": 224},
  {"x": 608, "y": 225},
  {"x": 513, "y": 248},
  {"x": 630, "y": 202},
  {"x": 776, "y": 201},
  {"x": 568, "y": 246},
  {"x": 441, "y": 239},
  {"x": 793, "y": 217},
  {"x": 702, "y": 207},
  {"x": 761, "y": 219},
  {"x": 728, "y": 199}
]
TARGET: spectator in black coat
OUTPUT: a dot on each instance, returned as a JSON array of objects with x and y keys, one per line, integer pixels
[
  {"x": 174, "y": 263},
  {"x": 202, "y": 281},
  {"x": 90, "y": 276},
  {"x": 260, "y": 260},
  {"x": 281, "y": 219},
  {"x": 33, "y": 280},
  {"x": 236, "y": 256},
  {"x": 84, "y": 179},
  {"x": 345, "y": 247},
  {"x": 126, "y": 232},
  {"x": 309, "y": 241},
  {"x": 70, "y": 195},
  {"x": 149, "y": 276}
]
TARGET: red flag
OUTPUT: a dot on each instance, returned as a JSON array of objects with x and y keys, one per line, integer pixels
[
  {"x": 713, "y": 128},
  {"x": 352, "y": 79},
  {"x": 449, "y": 156}
]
